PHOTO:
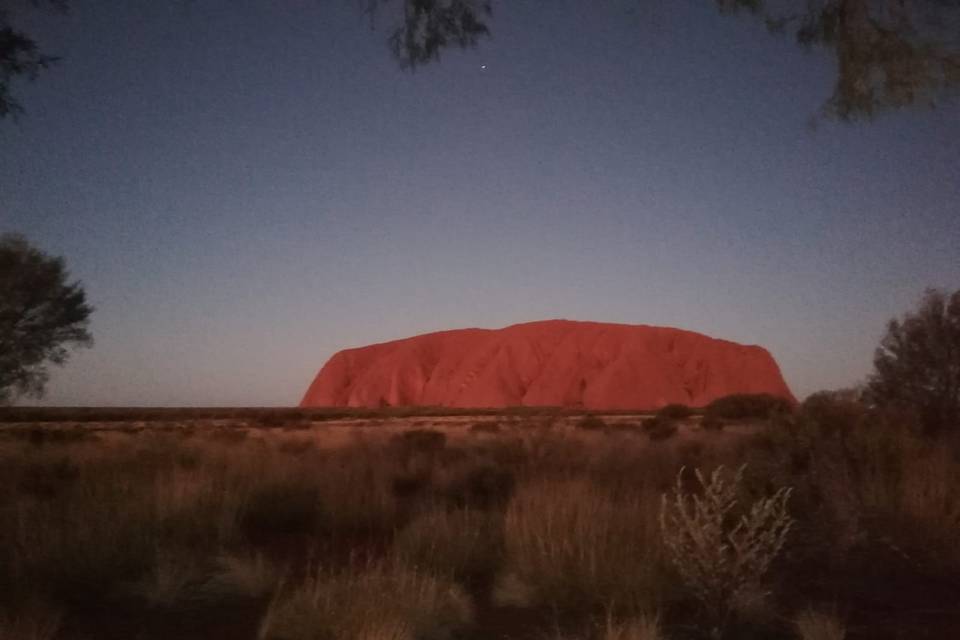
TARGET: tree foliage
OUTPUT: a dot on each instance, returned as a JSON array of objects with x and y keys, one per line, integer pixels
[
  {"x": 917, "y": 365},
  {"x": 41, "y": 316},
  {"x": 889, "y": 53},
  {"x": 427, "y": 27},
  {"x": 20, "y": 54}
]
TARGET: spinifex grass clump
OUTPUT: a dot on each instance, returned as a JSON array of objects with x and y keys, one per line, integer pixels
[
  {"x": 381, "y": 602},
  {"x": 722, "y": 557},
  {"x": 579, "y": 547},
  {"x": 462, "y": 544}
]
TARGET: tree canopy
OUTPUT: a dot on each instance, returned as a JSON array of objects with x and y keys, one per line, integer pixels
[
  {"x": 889, "y": 54},
  {"x": 917, "y": 365},
  {"x": 20, "y": 54},
  {"x": 41, "y": 316}
]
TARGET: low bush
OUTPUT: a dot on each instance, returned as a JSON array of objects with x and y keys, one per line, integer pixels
[
  {"x": 480, "y": 484},
  {"x": 675, "y": 411},
  {"x": 815, "y": 625},
  {"x": 243, "y": 575},
  {"x": 228, "y": 435},
  {"x": 274, "y": 418},
  {"x": 486, "y": 427},
  {"x": 287, "y": 507},
  {"x": 748, "y": 406},
  {"x": 32, "y": 621},
  {"x": 659, "y": 428},
  {"x": 463, "y": 544},
  {"x": 640, "y": 628},
  {"x": 578, "y": 547},
  {"x": 591, "y": 423},
  {"x": 388, "y": 602},
  {"x": 722, "y": 556},
  {"x": 712, "y": 423},
  {"x": 625, "y": 427},
  {"x": 417, "y": 441},
  {"x": 831, "y": 412}
]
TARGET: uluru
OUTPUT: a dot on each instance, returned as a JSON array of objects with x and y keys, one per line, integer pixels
[{"x": 556, "y": 363}]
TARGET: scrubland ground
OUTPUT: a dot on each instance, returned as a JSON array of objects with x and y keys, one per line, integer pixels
[{"x": 485, "y": 527}]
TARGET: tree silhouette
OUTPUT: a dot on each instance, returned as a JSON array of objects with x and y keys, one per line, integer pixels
[
  {"x": 917, "y": 365},
  {"x": 20, "y": 55},
  {"x": 41, "y": 315},
  {"x": 889, "y": 54}
]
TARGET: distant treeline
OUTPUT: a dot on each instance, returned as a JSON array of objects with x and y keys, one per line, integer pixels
[{"x": 272, "y": 414}]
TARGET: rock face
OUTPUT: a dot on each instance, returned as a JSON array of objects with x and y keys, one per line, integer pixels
[{"x": 552, "y": 363}]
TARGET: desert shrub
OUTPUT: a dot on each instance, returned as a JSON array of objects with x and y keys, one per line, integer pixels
[
  {"x": 659, "y": 428},
  {"x": 917, "y": 362},
  {"x": 486, "y": 427},
  {"x": 228, "y": 435},
  {"x": 417, "y": 441},
  {"x": 721, "y": 558},
  {"x": 410, "y": 483},
  {"x": 196, "y": 509},
  {"x": 296, "y": 447},
  {"x": 643, "y": 627},
  {"x": 245, "y": 575},
  {"x": 356, "y": 494},
  {"x": 481, "y": 484},
  {"x": 388, "y": 602},
  {"x": 47, "y": 477},
  {"x": 463, "y": 544},
  {"x": 169, "y": 580},
  {"x": 900, "y": 487},
  {"x": 675, "y": 411},
  {"x": 591, "y": 423},
  {"x": 712, "y": 423},
  {"x": 32, "y": 621},
  {"x": 625, "y": 427},
  {"x": 281, "y": 507},
  {"x": 831, "y": 412},
  {"x": 275, "y": 418},
  {"x": 99, "y": 536},
  {"x": 748, "y": 406},
  {"x": 579, "y": 547},
  {"x": 816, "y": 625},
  {"x": 639, "y": 628}
]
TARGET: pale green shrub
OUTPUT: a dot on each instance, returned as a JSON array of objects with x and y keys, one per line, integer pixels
[{"x": 722, "y": 558}]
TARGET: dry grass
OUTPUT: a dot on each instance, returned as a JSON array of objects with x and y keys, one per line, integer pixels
[
  {"x": 642, "y": 628},
  {"x": 816, "y": 625},
  {"x": 383, "y": 602},
  {"x": 247, "y": 575},
  {"x": 33, "y": 621},
  {"x": 464, "y": 545},
  {"x": 413, "y": 532},
  {"x": 580, "y": 546}
]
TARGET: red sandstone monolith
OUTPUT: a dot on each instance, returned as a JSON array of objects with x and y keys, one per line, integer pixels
[{"x": 557, "y": 363}]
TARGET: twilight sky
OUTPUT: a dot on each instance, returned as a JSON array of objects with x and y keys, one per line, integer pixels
[{"x": 246, "y": 187}]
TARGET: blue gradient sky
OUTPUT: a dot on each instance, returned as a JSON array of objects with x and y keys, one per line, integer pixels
[{"x": 245, "y": 189}]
